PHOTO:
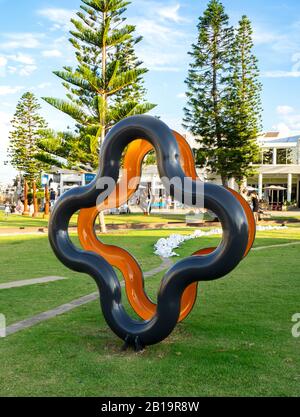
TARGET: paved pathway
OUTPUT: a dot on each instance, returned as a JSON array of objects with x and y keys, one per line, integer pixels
[
  {"x": 167, "y": 263},
  {"x": 24, "y": 324},
  {"x": 281, "y": 245},
  {"x": 24, "y": 283}
]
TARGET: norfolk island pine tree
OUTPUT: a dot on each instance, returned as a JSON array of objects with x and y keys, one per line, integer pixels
[
  {"x": 27, "y": 130},
  {"x": 244, "y": 109},
  {"x": 107, "y": 84},
  {"x": 215, "y": 82}
]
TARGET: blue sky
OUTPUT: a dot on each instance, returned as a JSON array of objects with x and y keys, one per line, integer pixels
[{"x": 34, "y": 42}]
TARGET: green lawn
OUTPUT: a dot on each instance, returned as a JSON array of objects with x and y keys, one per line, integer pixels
[
  {"x": 237, "y": 341},
  {"x": 16, "y": 221}
]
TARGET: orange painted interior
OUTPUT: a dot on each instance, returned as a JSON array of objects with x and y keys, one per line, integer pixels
[
  {"x": 251, "y": 226},
  {"x": 120, "y": 258}
]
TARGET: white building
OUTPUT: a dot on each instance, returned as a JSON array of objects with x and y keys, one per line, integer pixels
[
  {"x": 280, "y": 166},
  {"x": 62, "y": 180}
]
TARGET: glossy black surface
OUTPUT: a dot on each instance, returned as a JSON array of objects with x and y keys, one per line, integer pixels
[{"x": 200, "y": 268}]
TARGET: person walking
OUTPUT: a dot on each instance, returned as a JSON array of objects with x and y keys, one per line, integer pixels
[
  {"x": 7, "y": 209},
  {"x": 149, "y": 201},
  {"x": 255, "y": 206},
  {"x": 52, "y": 197}
]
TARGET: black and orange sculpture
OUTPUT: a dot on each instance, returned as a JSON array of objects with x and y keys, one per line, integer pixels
[{"x": 178, "y": 291}]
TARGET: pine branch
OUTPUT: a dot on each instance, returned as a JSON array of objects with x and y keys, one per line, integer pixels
[{"x": 68, "y": 108}]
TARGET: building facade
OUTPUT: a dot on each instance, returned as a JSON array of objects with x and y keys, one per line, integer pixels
[
  {"x": 277, "y": 178},
  {"x": 279, "y": 168}
]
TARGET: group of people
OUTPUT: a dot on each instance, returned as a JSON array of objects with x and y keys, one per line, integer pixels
[
  {"x": 13, "y": 208},
  {"x": 253, "y": 200}
]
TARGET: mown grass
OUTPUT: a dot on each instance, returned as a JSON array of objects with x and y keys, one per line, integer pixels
[
  {"x": 16, "y": 221},
  {"x": 237, "y": 341}
]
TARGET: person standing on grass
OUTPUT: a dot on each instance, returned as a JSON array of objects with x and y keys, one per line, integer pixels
[
  {"x": 52, "y": 197},
  {"x": 7, "y": 209},
  {"x": 245, "y": 194},
  {"x": 255, "y": 206},
  {"x": 149, "y": 201}
]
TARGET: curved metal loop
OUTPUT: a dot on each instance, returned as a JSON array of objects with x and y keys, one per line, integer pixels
[
  {"x": 123, "y": 260},
  {"x": 186, "y": 272}
]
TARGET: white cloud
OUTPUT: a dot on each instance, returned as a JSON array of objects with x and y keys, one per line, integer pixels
[
  {"x": 44, "y": 85},
  {"x": 4, "y": 121},
  {"x": 21, "y": 41},
  {"x": 12, "y": 69},
  {"x": 289, "y": 120},
  {"x": 27, "y": 70},
  {"x": 166, "y": 37},
  {"x": 157, "y": 32},
  {"x": 283, "y": 129},
  {"x": 284, "y": 110},
  {"x": 174, "y": 123},
  {"x": 281, "y": 74},
  {"x": 22, "y": 58},
  {"x": 294, "y": 72},
  {"x": 263, "y": 36},
  {"x": 284, "y": 42},
  {"x": 51, "y": 53},
  {"x": 171, "y": 13},
  {"x": 25, "y": 64},
  {"x": 6, "y": 89},
  {"x": 162, "y": 45},
  {"x": 181, "y": 96},
  {"x": 6, "y": 171},
  {"x": 59, "y": 16},
  {"x": 3, "y": 61},
  {"x": 4, "y": 129}
]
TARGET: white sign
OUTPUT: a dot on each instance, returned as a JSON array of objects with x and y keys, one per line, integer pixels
[
  {"x": 296, "y": 327},
  {"x": 2, "y": 325}
]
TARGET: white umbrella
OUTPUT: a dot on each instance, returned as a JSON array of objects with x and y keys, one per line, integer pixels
[
  {"x": 251, "y": 189},
  {"x": 277, "y": 188}
]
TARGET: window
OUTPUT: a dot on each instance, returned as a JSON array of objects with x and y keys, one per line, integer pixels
[
  {"x": 286, "y": 156},
  {"x": 267, "y": 157},
  {"x": 281, "y": 156}
]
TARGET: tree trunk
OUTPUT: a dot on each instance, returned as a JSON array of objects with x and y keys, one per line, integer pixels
[
  {"x": 243, "y": 185},
  {"x": 25, "y": 210},
  {"x": 47, "y": 201},
  {"x": 224, "y": 180},
  {"x": 35, "y": 203},
  {"x": 104, "y": 58}
]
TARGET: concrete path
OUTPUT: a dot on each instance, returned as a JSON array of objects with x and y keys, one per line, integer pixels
[
  {"x": 26, "y": 282},
  {"x": 24, "y": 324},
  {"x": 282, "y": 245},
  {"x": 17, "y": 231},
  {"x": 166, "y": 264}
]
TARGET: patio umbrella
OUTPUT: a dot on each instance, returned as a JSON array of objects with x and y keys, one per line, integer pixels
[
  {"x": 251, "y": 189},
  {"x": 277, "y": 188}
]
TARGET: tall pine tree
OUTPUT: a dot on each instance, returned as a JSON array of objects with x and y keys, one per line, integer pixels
[
  {"x": 102, "y": 90},
  {"x": 207, "y": 93},
  {"x": 126, "y": 55},
  {"x": 243, "y": 123},
  {"x": 27, "y": 130},
  {"x": 107, "y": 84}
]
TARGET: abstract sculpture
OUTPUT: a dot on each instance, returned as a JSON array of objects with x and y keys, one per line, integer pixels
[{"x": 178, "y": 290}]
